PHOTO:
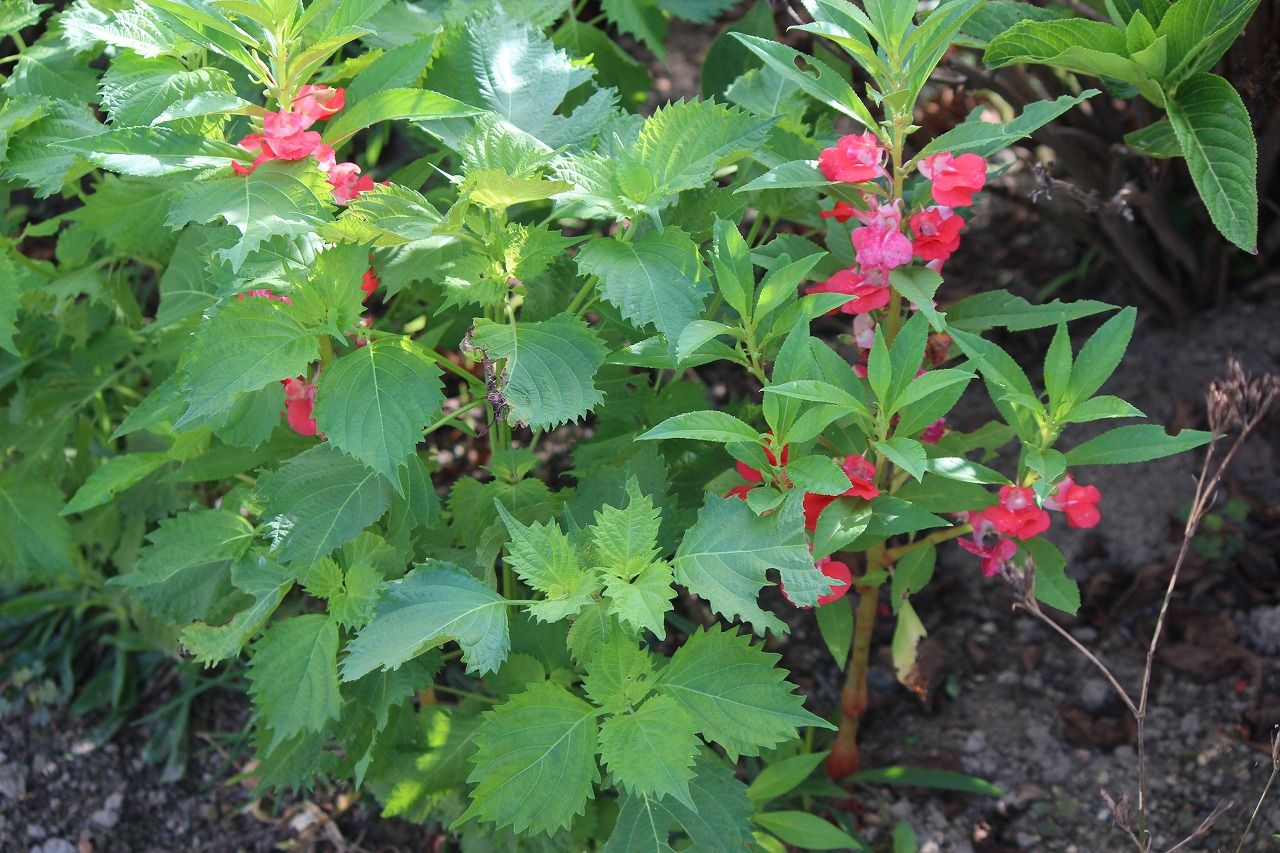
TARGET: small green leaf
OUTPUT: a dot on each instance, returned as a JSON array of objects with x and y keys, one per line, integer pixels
[
  {"x": 1098, "y": 358},
  {"x": 919, "y": 286},
  {"x": 826, "y": 85},
  {"x": 720, "y": 427},
  {"x": 545, "y": 559},
  {"x": 818, "y": 475},
  {"x": 1100, "y": 408},
  {"x": 650, "y": 750},
  {"x": 835, "y": 623},
  {"x": 916, "y": 777},
  {"x": 808, "y": 832},
  {"x": 907, "y": 453},
  {"x": 911, "y": 574},
  {"x": 906, "y": 639},
  {"x": 781, "y": 777},
  {"x": 112, "y": 477},
  {"x": 1052, "y": 586},
  {"x": 393, "y": 104}
]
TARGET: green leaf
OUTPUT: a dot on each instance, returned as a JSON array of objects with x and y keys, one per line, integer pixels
[
  {"x": 256, "y": 576},
  {"x": 725, "y": 555},
  {"x": 919, "y": 286},
  {"x": 149, "y": 152},
  {"x": 642, "y": 603},
  {"x": 1052, "y": 586},
  {"x": 549, "y": 367},
  {"x": 827, "y": 86},
  {"x": 911, "y": 574},
  {"x": 808, "y": 832},
  {"x": 1086, "y": 47},
  {"x": 817, "y": 391},
  {"x": 720, "y": 427},
  {"x": 545, "y": 559},
  {"x": 1098, "y": 358},
  {"x": 247, "y": 345},
  {"x": 374, "y": 402},
  {"x": 964, "y": 470},
  {"x": 735, "y": 693},
  {"x": 917, "y": 777},
  {"x": 1216, "y": 136},
  {"x": 1001, "y": 308},
  {"x": 387, "y": 215},
  {"x": 534, "y": 761},
  {"x": 626, "y": 538},
  {"x": 907, "y": 453},
  {"x": 319, "y": 500},
  {"x": 186, "y": 567},
  {"x": 280, "y": 198},
  {"x": 52, "y": 70},
  {"x": 35, "y": 541},
  {"x": 618, "y": 673},
  {"x": 398, "y": 68},
  {"x": 1140, "y": 443},
  {"x": 1057, "y": 367},
  {"x": 929, "y": 384},
  {"x": 818, "y": 475},
  {"x": 1100, "y": 408},
  {"x": 17, "y": 15},
  {"x": 294, "y": 677},
  {"x": 904, "y": 838},
  {"x": 781, "y": 777},
  {"x": 984, "y": 138},
  {"x": 33, "y": 158},
  {"x": 136, "y": 90},
  {"x": 115, "y": 475},
  {"x": 434, "y": 604},
  {"x": 650, "y": 750},
  {"x": 1155, "y": 140},
  {"x": 393, "y": 105},
  {"x": 1200, "y": 32},
  {"x": 652, "y": 281},
  {"x": 718, "y": 823},
  {"x": 835, "y": 623}
]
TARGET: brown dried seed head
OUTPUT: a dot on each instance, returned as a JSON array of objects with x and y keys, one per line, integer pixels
[{"x": 1239, "y": 400}]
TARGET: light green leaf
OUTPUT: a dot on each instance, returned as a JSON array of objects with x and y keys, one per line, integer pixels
[
  {"x": 725, "y": 555},
  {"x": 149, "y": 152},
  {"x": 626, "y": 538},
  {"x": 136, "y": 90},
  {"x": 781, "y": 777},
  {"x": 650, "y": 750},
  {"x": 1101, "y": 408},
  {"x": 1083, "y": 46},
  {"x": 393, "y": 105},
  {"x": 112, "y": 477},
  {"x": 808, "y": 831},
  {"x": 718, "y": 823},
  {"x": 827, "y": 86},
  {"x": 735, "y": 693},
  {"x": 375, "y": 401},
  {"x": 36, "y": 543},
  {"x": 53, "y": 70},
  {"x": 984, "y": 138},
  {"x": 293, "y": 676},
  {"x": 545, "y": 559},
  {"x": 280, "y": 198},
  {"x": 652, "y": 281},
  {"x": 907, "y": 635},
  {"x": 434, "y": 604},
  {"x": 835, "y": 623},
  {"x": 319, "y": 500},
  {"x": 549, "y": 365},
  {"x": 818, "y": 475},
  {"x": 911, "y": 574},
  {"x": 720, "y": 427},
  {"x": 919, "y": 286},
  {"x": 794, "y": 174},
  {"x": 385, "y": 216},
  {"x": 1098, "y": 358},
  {"x": 33, "y": 159},
  {"x": 642, "y": 603},
  {"x": 535, "y": 761},
  {"x": 1052, "y": 586},
  {"x": 1216, "y": 136},
  {"x": 1140, "y": 443}
]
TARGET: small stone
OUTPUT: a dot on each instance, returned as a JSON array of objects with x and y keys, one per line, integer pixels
[
  {"x": 976, "y": 742},
  {"x": 13, "y": 781},
  {"x": 57, "y": 845},
  {"x": 1085, "y": 634},
  {"x": 1026, "y": 840},
  {"x": 36, "y": 831},
  {"x": 902, "y": 810},
  {"x": 1095, "y": 693}
]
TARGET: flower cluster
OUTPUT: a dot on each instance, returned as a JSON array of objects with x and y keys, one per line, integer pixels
[
  {"x": 1018, "y": 517},
  {"x": 285, "y": 136}
]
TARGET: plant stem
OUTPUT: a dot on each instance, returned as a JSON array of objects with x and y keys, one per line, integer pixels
[
  {"x": 845, "y": 759},
  {"x": 465, "y": 694},
  {"x": 950, "y": 533}
]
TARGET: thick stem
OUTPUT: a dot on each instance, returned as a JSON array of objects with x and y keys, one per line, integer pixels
[{"x": 845, "y": 759}]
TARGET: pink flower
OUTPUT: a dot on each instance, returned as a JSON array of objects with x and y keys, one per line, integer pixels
[
  {"x": 842, "y": 212},
  {"x": 1080, "y": 503},
  {"x": 299, "y": 401},
  {"x": 866, "y": 294},
  {"x": 854, "y": 159},
  {"x": 347, "y": 182},
  {"x": 263, "y": 294},
  {"x": 955, "y": 179},
  {"x": 993, "y": 556},
  {"x": 934, "y": 431},
  {"x": 838, "y": 572},
  {"x": 1017, "y": 514},
  {"x": 937, "y": 233},
  {"x": 317, "y": 103},
  {"x": 861, "y": 473},
  {"x": 864, "y": 331},
  {"x": 880, "y": 241}
]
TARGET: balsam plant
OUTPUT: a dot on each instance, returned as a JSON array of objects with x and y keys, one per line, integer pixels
[{"x": 302, "y": 254}]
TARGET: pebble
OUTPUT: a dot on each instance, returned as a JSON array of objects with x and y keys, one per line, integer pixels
[
  {"x": 109, "y": 815},
  {"x": 1085, "y": 634},
  {"x": 13, "y": 781},
  {"x": 1095, "y": 694},
  {"x": 55, "y": 845},
  {"x": 976, "y": 742}
]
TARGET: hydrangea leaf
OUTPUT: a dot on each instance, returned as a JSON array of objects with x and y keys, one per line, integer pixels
[
  {"x": 736, "y": 694},
  {"x": 279, "y": 198},
  {"x": 375, "y": 401},
  {"x": 650, "y": 750},
  {"x": 294, "y": 676},
  {"x": 724, "y": 557},
  {"x": 549, "y": 368},
  {"x": 321, "y": 499},
  {"x": 535, "y": 761},
  {"x": 432, "y": 605}
]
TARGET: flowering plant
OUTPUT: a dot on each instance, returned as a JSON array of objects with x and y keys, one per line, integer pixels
[{"x": 258, "y": 392}]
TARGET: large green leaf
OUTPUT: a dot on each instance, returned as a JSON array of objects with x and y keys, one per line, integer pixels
[
  {"x": 374, "y": 402},
  {"x": 719, "y": 822},
  {"x": 1002, "y": 308},
  {"x": 434, "y": 604},
  {"x": 1087, "y": 47},
  {"x": 1139, "y": 443},
  {"x": 319, "y": 500},
  {"x": 248, "y": 344},
  {"x": 294, "y": 677},
  {"x": 33, "y": 158},
  {"x": 258, "y": 577},
  {"x": 114, "y": 476},
  {"x": 1200, "y": 32},
  {"x": 136, "y": 90},
  {"x": 535, "y": 761},
  {"x": 391, "y": 105},
  {"x": 280, "y": 198},
  {"x": 152, "y": 151},
  {"x": 1216, "y": 136},
  {"x": 652, "y": 281},
  {"x": 549, "y": 368},
  {"x": 650, "y": 749},
  {"x": 827, "y": 86},
  {"x": 985, "y": 138},
  {"x": 36, "y": 543},
  {"x": 735, "y": 693}
]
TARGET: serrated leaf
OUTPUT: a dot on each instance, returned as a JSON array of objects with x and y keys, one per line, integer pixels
[
  {"x": 985, "y": 138},
  {"x": 52, "y": 70},
  {"x": 256, "y": 576},
  {"x": 735, "y": 693},
  {"x": 279, "y": 198},
  {"x": 653, "y": 281},
  {"x": 35, "y": 541},
  {"x": 907, "y": 453},
  {"x": 434, "y": 604},
  {"x": 826, "y": 85},
  {"x": 293, "y": 676},
  {"x": 642, "y": 19},
  {"x": 719, "y": 822},
  {"x": 1140, "y": 443},
  {"x": 248, "y": 344},
  {"x": 33, "y": 158},
  {"x": 136, "y": 90},
  {"x": 1001, "y": 308},
  {"x": 549, "y": 368},
  {"x": 642, "y": 603},
  {"x": 618, "y": 673},
  {"x": 681, "y": 144},
  {"x": 650, "y": 750},
  {"x": 545, "y": 733},
  {"x": 148, "y": 152},
  {"x": 626, "y": 538},
  {"x": 321, "y": 499},
  {"x": 112, "y": 477},
  {"x": 545, "y": 559},
  {"x": 374, "y": 402},
  {"x": 1214, "y": 130}
]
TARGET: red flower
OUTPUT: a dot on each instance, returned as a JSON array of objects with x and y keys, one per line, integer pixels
[
  {"x": 842, "y": 212},
  {"x": 866, "y": 294},
  {"x": 348, "y": 183},
  {"x": 1080, "y": 503},
  {"x": 861, "y": 473},
  {"x": 838, "y": 572},
  {"x": 934, "y": 431},
  {"x": 317, "y": 103},
  {"x": 880, "y": 241},
  {"x": 299, "y": 400},
  {"x": 854, "y": 159},
  {"x": 369, "y": 283},
  {"x": 739, "y": 491},
  {"x": 937, "y": 233},
  {"x": 955, "y": 179},
  {"x": 1017, "y": 514},
  {"x": 993, "y": 556},
  {"x": 751, "y": 474}
]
